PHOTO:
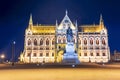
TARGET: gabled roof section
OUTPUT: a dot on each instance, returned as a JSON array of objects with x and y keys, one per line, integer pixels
[
  {"x": 90, "y": 28},
  {"x": 43, "y": 29},
  {"x": 93, "y": 28},
  {"x": 66, "y": 20}
]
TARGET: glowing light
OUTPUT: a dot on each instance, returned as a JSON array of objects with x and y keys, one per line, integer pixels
[
  {"x": 2, "y": 56},
  {"x": 14, "y": 42},
  {"x": 73, "y": 65}
]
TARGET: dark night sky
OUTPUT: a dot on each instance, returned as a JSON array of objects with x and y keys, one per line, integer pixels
[{"x": 14, "y": 17}]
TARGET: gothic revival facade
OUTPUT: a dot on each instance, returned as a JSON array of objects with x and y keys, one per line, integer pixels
[{"x": 47, "y": 43}]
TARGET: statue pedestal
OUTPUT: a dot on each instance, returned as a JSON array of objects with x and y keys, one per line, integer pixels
[{"x": 70, "y": 57}]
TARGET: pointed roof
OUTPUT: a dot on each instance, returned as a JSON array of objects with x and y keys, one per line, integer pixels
[{"x": 66, "y": 19}]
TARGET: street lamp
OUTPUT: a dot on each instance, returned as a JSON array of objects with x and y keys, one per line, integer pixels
[
  {"x": 2, "y": 56},
  {"x": 13, "y": 52}
]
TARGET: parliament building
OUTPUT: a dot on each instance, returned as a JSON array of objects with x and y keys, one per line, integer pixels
[{"x": 46, "y": 43}]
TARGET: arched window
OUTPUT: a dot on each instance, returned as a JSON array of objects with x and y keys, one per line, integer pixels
[
  {"x": 47, "y": 42},
  {"x": 35, "y": 42},
  {"x": 85, "y": 41},
  {"x": 47, "y": 54},
  {"x": 59, "y": 40},
  {"x": 103, "y": 54},
  {"x": 97, "y": 54},
  {"x": 91, "y": 41},
  {"x": 41, "y": 42},
  {"x": 29, "y": 42},
  {"x": 64, "y": 40},
  {"x": 52, "y": 54},
  {"x": 53, "y": 41},
  {"x": 28, "y": 55},
  {"x": 59, "y": 47},
  {"x": 41, "y": 54},
  {"x": 103, "y": 41},
  {"x": 97, "y": 41},
  {"x": 85, "y": 54},
  {"x": 34, "y": 55},
  {"x": 79, "y": 54},
  {"x": 91, "y": 54}
]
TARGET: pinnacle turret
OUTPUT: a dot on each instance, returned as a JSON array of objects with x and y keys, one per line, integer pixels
[
  {"x": 101, "y": 23},
  {"x": 30, "y": 21},
  {"x": 56, "y": 23},
  {"x": 66, "y": 12},
  {"x": 101, "y": 20}
]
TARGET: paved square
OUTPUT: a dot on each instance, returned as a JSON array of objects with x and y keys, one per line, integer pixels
[{"x": 60, "y": 74}]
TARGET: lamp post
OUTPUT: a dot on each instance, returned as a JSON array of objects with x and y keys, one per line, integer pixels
[{"x": 13, "y": 52}]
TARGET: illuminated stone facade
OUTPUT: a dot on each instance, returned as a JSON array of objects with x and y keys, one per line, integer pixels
[{"x": 47, "y": 43}]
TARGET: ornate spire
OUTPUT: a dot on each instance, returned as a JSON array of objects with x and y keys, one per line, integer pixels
[
  {"x": 76, "y": 25},
  {"x": 66, "y": 12},
  {"x": 30, "y": 21},
  {"x": 56, "y": 23},
  {"x": 101, "y": 22}
]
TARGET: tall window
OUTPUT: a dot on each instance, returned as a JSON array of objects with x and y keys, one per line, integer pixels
[
  {"x": 29, "y": 42},
  {"x": 52, "y": 54},
  {"x": 85, "y": 54},
  {"x": 98, "y": 54},
  {"x": 97, "y": 41},
  {"x": 59, "y": 40},
  {"x": 53, "y": 41},
  {"x": 41, "y": 54},
  {"x": 103, "y": 54},
  {"x": 35, "y": 42},
  {"x": 28, "y": 55},
  {"x": 64, "y": 40},
  {"x": 85, "y": 41},
  {"x": 41, "y": 42},
  {"x": 34, "y": 55},
  {"x": 79, "y": 41},
  {"x": 79, "y": 54},
  {"x": 91, "y": 54},
  {"x": 47, "y": 54},
  {"x": 47, "y": 42},
  {"x": 59, "y": 47},
  {"x": 103, "y": 41},
  {"x": 91, "y": 41}
]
